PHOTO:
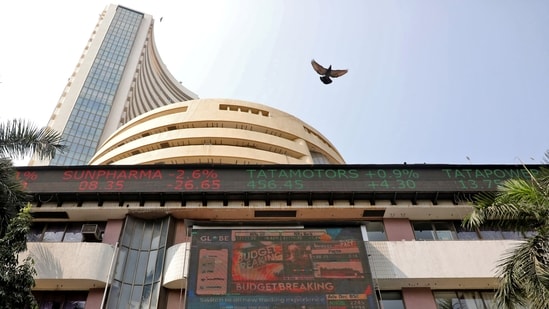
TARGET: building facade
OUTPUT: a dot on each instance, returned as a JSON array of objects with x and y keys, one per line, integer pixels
[
  {"x": 263, "y": 236},
  {"x": 216, "y": 131},
  {"x": 118, "y": 77},
  {"x": 167, "y": 201}
]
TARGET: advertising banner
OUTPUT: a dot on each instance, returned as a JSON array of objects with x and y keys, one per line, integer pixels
[{"x": 279, "y": 268}]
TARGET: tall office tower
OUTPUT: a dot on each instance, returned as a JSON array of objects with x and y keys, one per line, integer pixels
[
  {"x": 118, "y": 77},
  {"x": 219, "y": 203}
]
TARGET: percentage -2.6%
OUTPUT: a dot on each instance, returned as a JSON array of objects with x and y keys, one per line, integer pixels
[{"x": 199, "y": 179}]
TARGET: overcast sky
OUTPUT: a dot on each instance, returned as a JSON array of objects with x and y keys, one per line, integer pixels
[{"x": 429, "y": 81}]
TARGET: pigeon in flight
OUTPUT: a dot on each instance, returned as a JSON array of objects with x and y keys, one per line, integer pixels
[{"x": 327, "y": 73}]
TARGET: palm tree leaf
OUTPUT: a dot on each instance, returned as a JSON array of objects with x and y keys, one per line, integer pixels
[
  {"x": 12, "y": 197},
  {"x": 524, "y": 274},
  {"x": 19, "y": 138}
]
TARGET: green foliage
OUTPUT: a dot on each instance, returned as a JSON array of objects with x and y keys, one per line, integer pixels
[
  {"x": 16, "y": 278},
  {"x": 522, "y": 205},
  {"x": 12, "y": 198},
  {"x": 19, "y": 138}
]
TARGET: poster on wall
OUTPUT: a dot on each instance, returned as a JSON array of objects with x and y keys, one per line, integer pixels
[{"x": 320, "y": 268}]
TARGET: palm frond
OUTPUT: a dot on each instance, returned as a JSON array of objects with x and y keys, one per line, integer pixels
[
  {"x": 12, "y": 197},
  {"x": 20, "y": 138},
  {"x": 524, "y": 274}
]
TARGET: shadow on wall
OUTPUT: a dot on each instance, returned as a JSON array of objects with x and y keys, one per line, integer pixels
[{"x": 45, "y": 262}]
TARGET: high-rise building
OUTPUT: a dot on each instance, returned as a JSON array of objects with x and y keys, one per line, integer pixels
[
  {"x": 218, "y": 203},
  {"x": 119, "y": 76}
]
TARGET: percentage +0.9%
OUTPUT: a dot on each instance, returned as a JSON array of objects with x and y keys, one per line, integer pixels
[{"x": 391, "y": 179}]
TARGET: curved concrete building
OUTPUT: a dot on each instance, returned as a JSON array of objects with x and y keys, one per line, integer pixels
[
  {"x": 118, "y": 77},
  {"x": 217, "y": 131}
]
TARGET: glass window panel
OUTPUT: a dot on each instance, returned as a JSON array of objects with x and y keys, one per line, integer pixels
[
  {"x": 149, "y": 276},
  {"x": 128, "y": 231},
  {"x": 73, "y": 233},
  {"x": 489, "y": 233},
  {"x": 35, "y": 232},
  {"x": 137, "y": 235},
  {"x": 423, "y": 231},
  {"x": 164, "y": 229},
  {"x": 159, "y": 265},
  {"x": 124, "y": 298},
  {"x": 470, "y": 300},
  {"x": 120, "y": 261},
  {"x": 47, "y": 305},
  {"x": 375, "y": 231},
  {"x": 488, "y": 298},
  {"x": 137, "y": 293},
  {"x": 464, "y": 233},
  {"x": 511, "y": 235},
  {"x": 54, "y": 232},
  {"x": 141, "y": 267},
  {"x": 155, "y": 243},
  {"x": 146, "y": 296},
  {"x": 130, "y": 266},
  {"x": 113, "y": 295},
  {"x": 74, "y": 304},
  {"x": 444, "y": 230},
  {"x": 147, "y": 237},
  {"x": 446, "y": 300},
  {"x": 154, "y": 295},
  {"x": 391, "y": 300}
]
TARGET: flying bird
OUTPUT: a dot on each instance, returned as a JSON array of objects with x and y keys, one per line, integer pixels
[{"x": 327, "y": 73}]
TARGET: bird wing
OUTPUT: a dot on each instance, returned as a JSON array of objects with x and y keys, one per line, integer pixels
[
  {"x": 338, "y": 73},
  {"x": 318, "y": 68}
]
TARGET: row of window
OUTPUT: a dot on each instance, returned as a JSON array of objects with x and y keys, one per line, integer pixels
[
  {"x": 61, "y": 232},
  {"x": 423, "y": 230},
  {"x": 444, "y": 230},
  {"x": 60, "y": 300},
  {"x": 453, "y": 230}
]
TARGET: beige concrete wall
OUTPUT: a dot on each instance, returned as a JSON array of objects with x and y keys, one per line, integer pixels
[
  {"x": 215, "y": 131},
  {"x": 70, "y": 266},
  {"x": 437, "y": 264},
  {"x": 176, "y": 267}
]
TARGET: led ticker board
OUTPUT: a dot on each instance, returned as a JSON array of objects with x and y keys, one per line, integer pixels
[
  {"x": 275, "y": 178},
  {"x": 318, "y": 268}
]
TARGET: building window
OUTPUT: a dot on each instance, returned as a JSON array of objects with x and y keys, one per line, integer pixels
[
  {"x": 434, "y": 230},
  {"x": 139, "y": 265},
  {"x": 60, "y": 232},
  {"x": 319, "y": 158},
  {"x": 451, "y": 230},
  {"x": 375, "y": 231},
  {"x": 464, "y": 299},
  {"x": 60, "y": 300},
  {"x": 391, "y": 300}
]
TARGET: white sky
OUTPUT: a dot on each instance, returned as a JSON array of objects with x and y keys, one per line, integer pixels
[{"x": 429, "y": 81}]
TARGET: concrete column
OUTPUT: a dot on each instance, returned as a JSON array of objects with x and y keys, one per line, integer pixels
[
  {"x": 180, "y": 232},
  {"x": 112, "y": 231},
  {"x": 95, "y": 296},
  {"x": 398, "y": 229},
  {"x": 418, "y": 298},
  {"x": 175, "y": 299}
]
